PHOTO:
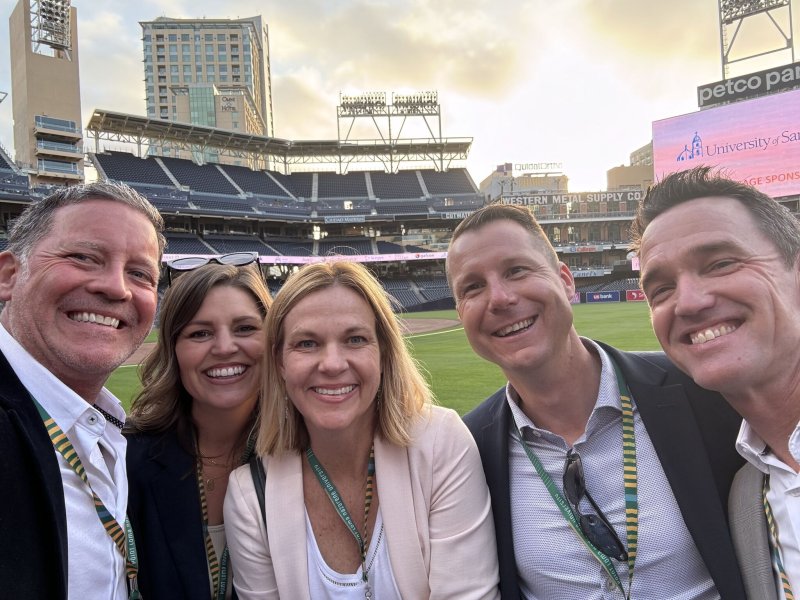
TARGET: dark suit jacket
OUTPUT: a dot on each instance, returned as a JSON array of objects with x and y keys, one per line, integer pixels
[
  {"x": 694, "y": 434},
  {"x": 750, "y": 533},
  {"x": 33, "y": 518},
  {"x": 164, "y": 510}
]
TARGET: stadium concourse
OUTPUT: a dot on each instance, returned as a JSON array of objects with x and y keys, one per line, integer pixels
[{"x": 301, "y": 217}]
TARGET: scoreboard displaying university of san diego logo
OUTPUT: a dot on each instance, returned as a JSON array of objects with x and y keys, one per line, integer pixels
[{"x": 755, "y": 141}]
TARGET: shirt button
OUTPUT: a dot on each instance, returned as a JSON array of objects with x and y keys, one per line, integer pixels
[
  {"x": 91, "y": 419},
  {"x": 795, "y": 492}
]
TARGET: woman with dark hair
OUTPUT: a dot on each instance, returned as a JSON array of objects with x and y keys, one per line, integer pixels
[
  {"x": 193, "y": 423},
  {"x": 371, "y": 491}
]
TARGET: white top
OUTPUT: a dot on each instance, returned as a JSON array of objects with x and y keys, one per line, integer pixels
[
  {"x": 96, "y": 568},
  {"x": 783, "y": 496},
  {"x": 326, "y": 584},
  {"x": 552, "y": 561},
  {"x": 217, "y": 534}
]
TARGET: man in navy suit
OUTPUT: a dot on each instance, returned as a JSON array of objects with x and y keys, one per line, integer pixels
[
  {"x": 609, "y": 471},
  {"x": 78, "y": 281},
  {"x": 721, "y": 271}
]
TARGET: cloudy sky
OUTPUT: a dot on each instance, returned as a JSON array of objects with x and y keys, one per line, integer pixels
[{"x": 572, "y": 81}]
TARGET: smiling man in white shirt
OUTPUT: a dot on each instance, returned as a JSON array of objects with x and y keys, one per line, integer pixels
[
  {"x": 720, "y": 267},
  {"x": 79, "y": 284}
]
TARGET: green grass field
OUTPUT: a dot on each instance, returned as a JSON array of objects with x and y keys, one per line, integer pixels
[{"x": 459, "y": 378}]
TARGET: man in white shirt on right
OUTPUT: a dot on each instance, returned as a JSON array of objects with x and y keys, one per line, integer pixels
[{"x": 720, "y": 266}]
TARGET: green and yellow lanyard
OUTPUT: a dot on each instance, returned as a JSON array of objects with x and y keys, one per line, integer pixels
[
  {"x": 219, "y": 568},
  {"x": 122, "y": 537},
  {"x": 630, "y": 486}
]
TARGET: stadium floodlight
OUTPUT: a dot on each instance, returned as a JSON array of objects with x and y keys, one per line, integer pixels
[
  {"x": 733, "y": 10},
  {"x": 425, "y": 102},
  {"x": 362, "y": 104},
  {"x": 50, "y": 24}
]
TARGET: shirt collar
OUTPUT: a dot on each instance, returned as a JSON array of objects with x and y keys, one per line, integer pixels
[
  {"x": 607, "y": 396},
  {"x": 59, "y": 400},
  {"x": 755, "y": 451}
]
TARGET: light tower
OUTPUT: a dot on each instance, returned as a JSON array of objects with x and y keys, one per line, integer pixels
[
  {"x": 769, "y": 15},
  {"x": 45, "y": 86}
]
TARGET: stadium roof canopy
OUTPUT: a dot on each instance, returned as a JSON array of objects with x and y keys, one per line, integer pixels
[{"x": 274, "y": 152}]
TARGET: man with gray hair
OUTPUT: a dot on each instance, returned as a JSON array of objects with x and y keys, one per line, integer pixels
[{"x": 79, "y": 285}]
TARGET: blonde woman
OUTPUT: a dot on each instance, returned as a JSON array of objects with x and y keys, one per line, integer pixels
[{"x": 371, "y": 491}]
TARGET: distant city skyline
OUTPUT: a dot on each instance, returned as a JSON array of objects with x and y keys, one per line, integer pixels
[{"x": 577, "y": 82}]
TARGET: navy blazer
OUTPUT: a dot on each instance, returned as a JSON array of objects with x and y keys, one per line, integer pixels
[
  {"x": 693, "y": 432},
  {"x": 164, "y": 510},
  {"x": 33, "y": 517}
]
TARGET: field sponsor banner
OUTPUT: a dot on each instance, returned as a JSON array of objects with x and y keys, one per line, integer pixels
[
  {"x": 753, "y": 141},
  {"x": 602, "y": 296},
  {"x": 635, "y": 296},
  {"x": 576, "y": 298},
  {"x": 306, "y": 260}
]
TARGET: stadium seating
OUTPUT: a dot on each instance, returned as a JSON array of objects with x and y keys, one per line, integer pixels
[
  {"x": 389, "y": 248},
  {"x": 408, "y": 207},
  {"x": 236, "y": 243},
  {"x": 334, "y": 207},
  {"x": 256, "y": 182},
  {"x": 302, "y": 184},
  {"x": 292, "y": 248},
  {"x": 348, "y": 247},
  {"x": 218, "y": 203},
  {"x": 185, "y": 243},
  {"x": 454, "y": 181},
  {"x": 123, "y": 166},
  {"x": 333, "y": 185},
  {"x": 403, "y": 184},
  {"x": 200, "y": 178}
]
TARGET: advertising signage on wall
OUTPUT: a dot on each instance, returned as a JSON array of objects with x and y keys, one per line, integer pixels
[
  {"x": 755, "y": 141},
  {"x": 555, "y": 198},
  {"x": 602, "y": 296},
  {"x": 748, "y": 86}
]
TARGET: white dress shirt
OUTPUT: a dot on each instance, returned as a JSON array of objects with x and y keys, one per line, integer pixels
[
  {"x": 96, "y": 568},
  {"x": 552, "y": 561},
  {"x": 783, "y": 496}
]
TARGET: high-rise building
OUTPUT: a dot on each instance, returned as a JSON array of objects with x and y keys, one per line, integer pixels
[
  {"x": 45, "y": 91},
  {"x": 210, "y": 72}
]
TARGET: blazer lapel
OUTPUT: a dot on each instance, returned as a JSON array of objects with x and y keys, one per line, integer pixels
[
  {"x": 750, "y": 533},
  {"x": 176, "y": 500},
  {"x": 395, "y": 492},
  {"x": 17, "y": 398},
  {"x": 493, "y": 440},
  {"x": 676, "y": 437},
  {"x": 286, "y": 522}
]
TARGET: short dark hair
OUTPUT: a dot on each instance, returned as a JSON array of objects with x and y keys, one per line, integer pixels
[
  {"x": 36, "y": 220},
  {"x": 497, "y": 211},
  {"x": 774, "y": 220}
]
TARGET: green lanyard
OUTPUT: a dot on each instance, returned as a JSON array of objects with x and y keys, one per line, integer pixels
[
  {"x": 122, "y": 537},
  {"x": 775, "y": 548},
  {"x": 341, "y": 509},
  {"x": 218, "y": 568},
  {"x": 629, "y": 477}
]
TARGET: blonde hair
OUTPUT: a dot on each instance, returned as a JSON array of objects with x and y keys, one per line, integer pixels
[{"x": 404, "y": 392}]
